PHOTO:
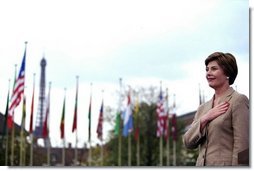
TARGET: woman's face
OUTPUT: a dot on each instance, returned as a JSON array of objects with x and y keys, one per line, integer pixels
[{"x": 215, "y": 75}]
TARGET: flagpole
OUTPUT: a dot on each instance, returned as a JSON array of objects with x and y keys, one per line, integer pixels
[
  {"x": 31, "y": 149},
  {"x": 137, "y": 127},
  {"x": 63, "y": 149},
  {"x": 102, "y": 135},
  {"x": 174, "y": 140},
  {"x": 63, "y": 152},
  {"x": 89, "y": 126},
  {"x": 31, "y": 125},
  {"x": 48, "y": 144},
  {"x": 138, "y": 153},
  {"x": 129, "y": 132},
  {"x": 7, "y": 130},
  {"x": 168, "y": 149},
  {"x": 21, "y": 149},
  {"x": 13, "y": 125},
  {"x": 76, "y": 145},
  {"x": 119, "y": 133},
  {"x": 167, "y": 130},
  {"x": 161, "y": 150},
  {"x": 6, "y": 147},
  {"x": 101, "y": 155},
  {"x": 129, "y": 149},
  {"x": 161, "y": 137}
]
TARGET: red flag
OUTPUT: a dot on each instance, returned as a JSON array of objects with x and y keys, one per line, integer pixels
[
  {"x": 161, "y": 115},
  {"x": 166, "y": 126},
  {"x": 100, "y": 123},
  {"x": 18, "y": 91},
  {"x": 62, "y": 120},
  {"x": 45, "y": 130},
  {"x": 32, "y": 112},
  {"x": 74, "y": 125},
  {"x": 174, "y": 127}
]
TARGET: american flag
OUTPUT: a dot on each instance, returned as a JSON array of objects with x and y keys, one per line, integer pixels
[
  {"x": 100, "y": 122},
  {"x": 161, "y": 116},
  {"x": 18, "y": 91}
]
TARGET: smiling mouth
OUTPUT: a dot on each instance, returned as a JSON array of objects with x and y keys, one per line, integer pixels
[{"x": 210, "y": 79}]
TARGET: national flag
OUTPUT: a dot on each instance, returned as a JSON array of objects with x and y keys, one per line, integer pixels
[
  {"x": 89, "y": 118},
  {"x": 174, "y": 127},
  {"x": 136, "y": 121},
  {"x": 18, "y": 91},
  {"x": 100, "y": 123},
  {"x": 62, "y": 120},
  {"x": 32, "y": 112},
  {"x": 45, "y": 130},
  {"x": 161, "y": 115},
  {"x": 6, "y": 114},
  {"x": 117, "y": 123},
  {"x": 128, "y": 118},
  {"x": 23, "y": 113},
  {"x": 166, "y": 109},
  {"x": 74, "y": 125}
]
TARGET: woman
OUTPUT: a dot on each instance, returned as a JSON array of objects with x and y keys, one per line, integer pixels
[{"x": 221, "y": 126}]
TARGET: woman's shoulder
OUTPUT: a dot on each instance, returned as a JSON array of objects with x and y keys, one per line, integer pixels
[{"x": 238, "y": 96}]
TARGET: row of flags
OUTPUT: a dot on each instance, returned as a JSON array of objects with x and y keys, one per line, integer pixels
[
  {"x": 165, "y": 119},
  {"x": 18, "y": 93},
  {"x": 162, "y": 111}
]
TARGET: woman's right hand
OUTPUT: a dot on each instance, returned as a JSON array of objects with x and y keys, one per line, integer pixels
[{"x": 214, "y": 113}]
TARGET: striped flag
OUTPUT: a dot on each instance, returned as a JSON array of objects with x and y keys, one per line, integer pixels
[
  {"x": 18, "y": 91},
  {"x": 161, "y": 115},
  {"x": 100, "y": 123},
  {"x": 62, "y": 120},
  {"x": 128, "y": 118}
]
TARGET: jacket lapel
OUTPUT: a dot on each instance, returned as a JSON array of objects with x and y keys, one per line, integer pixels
[{"x": 227, "y": 95}]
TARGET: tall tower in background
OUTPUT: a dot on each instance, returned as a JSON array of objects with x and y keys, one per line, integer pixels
[{"x": 42, "y": 101}]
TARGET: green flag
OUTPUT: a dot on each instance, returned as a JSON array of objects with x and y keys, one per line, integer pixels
[{"x": 117, "y": 123}]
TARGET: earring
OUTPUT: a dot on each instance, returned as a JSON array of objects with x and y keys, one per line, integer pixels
[{"x": 227, "y": 78}]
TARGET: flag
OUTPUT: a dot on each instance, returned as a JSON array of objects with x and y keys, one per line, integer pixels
[
  {"x": 100, "y": 123},
  {"x": 89, "y": 118},
  {"x": 62, "y": 120},
  {"x": 136, "y": 121},
  {"x": 23, "y": 113},
  {"x": 161, "y": 115},
  {"x": 117, "y": 123},
  {"x": 32, "y": 112},
  {"x": 128, "y": 118},
  {"x": 166, "y": 109},
  {"x": 6, "y": 114},
  {"x": 18, "y": 91},
  {"x": 74, "y": 125},
  {"x": 45, "y": 130},
  {"x": 174, "y": 127}
]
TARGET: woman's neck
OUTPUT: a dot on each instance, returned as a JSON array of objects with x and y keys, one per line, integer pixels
[{"x": 220, "y": 91}]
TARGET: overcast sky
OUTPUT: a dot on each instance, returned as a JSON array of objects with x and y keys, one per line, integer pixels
[{"x": 144, "y": 42}]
